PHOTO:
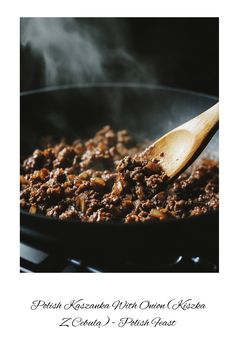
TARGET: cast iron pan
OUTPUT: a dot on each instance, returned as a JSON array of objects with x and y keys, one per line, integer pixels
[{"x": 147, "y": 111}]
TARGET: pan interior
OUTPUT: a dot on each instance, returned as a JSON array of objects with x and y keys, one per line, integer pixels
[{"x": 78, "y": 112}]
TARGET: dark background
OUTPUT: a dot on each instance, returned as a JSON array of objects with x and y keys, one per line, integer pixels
[{"x": 183, "y": 52}]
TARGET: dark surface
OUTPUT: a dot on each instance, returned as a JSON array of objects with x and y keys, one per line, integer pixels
[
  {"x": 38, "y": 261},
  {"x": 147, "y": 112},
  {"x": 183, "y": 51},
  {"x": 179, "y": 52}
]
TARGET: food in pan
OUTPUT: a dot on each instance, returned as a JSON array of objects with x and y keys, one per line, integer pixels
[{"x": 103, "y": 179}]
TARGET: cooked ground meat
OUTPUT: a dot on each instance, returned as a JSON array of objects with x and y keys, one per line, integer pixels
[{"x": 103, "y": 180}]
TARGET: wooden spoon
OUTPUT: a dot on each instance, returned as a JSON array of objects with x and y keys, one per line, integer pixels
[{"x": 177, "y": 149}]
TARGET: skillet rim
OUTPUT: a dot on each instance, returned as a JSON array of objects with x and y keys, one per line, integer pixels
[{"x": 118, "y": 85}]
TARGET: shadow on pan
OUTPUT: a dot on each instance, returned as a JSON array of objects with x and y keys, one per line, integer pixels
[{"x": 147, "y": 111}]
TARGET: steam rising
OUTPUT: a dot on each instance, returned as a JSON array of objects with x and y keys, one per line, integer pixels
[{"x": 78, "y": 50}]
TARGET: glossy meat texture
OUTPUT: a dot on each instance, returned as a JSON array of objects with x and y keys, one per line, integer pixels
[{"x": 104, "y": 180}]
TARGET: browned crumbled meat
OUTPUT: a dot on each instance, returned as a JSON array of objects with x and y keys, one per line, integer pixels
[{"x": 102, "y": 180}]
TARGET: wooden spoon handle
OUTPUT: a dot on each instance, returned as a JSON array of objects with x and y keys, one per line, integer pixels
[{"x": 203, "y": 124}]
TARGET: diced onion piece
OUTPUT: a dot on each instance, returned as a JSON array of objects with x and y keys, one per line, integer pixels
[
  {"x": 84, "y": 175},
  {"x": 118, "y": 188},
  {"x": 71, "y": 177},
  {"x": 80, "y": 202},
  {"x": 23, "y": 180},
  {"x": 98, "y": 181},
  {"x": 32, "y": 209},
  {"x": 157, "y": 213},
  {"x": 102, "y": 146}
]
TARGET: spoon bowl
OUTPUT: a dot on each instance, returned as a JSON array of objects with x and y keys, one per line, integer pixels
[{"x": 177, "y": 149}]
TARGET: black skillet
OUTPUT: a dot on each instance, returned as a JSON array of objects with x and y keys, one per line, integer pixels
[{"x": 147, "y": 111}]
